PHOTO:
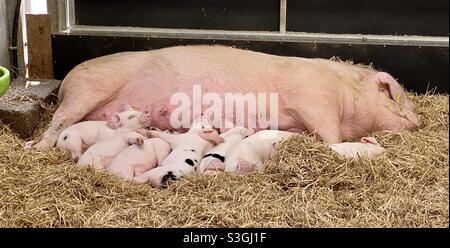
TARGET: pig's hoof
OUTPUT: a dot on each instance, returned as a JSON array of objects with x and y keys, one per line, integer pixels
[
  {"x": 167, "y": 178},
  {"x": 37, "y": 144},
  {"x": 29, "y": 145},
  {"x": 142, "y": 178},
  {"x": 139, "y": 141}
]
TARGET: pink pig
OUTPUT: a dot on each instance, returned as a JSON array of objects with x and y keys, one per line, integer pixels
[
  {"x": 215, "y": 158},
  {"x": 101, "y": 153},
  {"x": 82, "y": 135},
  {"x": 138, "y": 159},
  {"x": 251, "y": 153}
]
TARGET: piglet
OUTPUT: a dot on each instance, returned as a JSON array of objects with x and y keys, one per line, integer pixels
[
  {"x": 82, "y": 135},
  {"x": 137, "y": 159},
  {"x": 368, "y": 146},
  {"x": 101, "y": 153},
  {"x": 251, "y": 153},
  {"x": 187, "y": 151},
  {"x": 214, "y": 159}
]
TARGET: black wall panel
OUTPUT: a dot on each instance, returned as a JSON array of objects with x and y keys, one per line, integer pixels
[
  {"x": 261, "y": 15},
  {"x": 391, "y": 17}
]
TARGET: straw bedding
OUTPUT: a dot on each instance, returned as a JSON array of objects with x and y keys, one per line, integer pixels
[{"x": 304, "y": 185}]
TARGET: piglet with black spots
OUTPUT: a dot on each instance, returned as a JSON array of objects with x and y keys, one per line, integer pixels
[
  {"x": 214, "y": 159},
  {"x": 187, "y": 151}
]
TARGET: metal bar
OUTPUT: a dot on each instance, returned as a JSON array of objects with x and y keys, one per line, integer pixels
[
  {"x": 71, "y": 13},
  {"x": 386, "y": 40},
  {"x": 62, "y": 23},
  {"x": 283, "y": 4}
]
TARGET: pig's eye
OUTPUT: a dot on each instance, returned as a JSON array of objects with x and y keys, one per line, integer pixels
[{"x": 131, "y": 117}]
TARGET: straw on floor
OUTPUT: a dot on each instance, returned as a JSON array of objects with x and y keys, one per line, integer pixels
[{"x": 304, "y": 185}]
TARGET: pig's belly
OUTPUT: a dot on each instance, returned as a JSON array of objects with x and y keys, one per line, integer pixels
[{"x": 157, "y": 101}]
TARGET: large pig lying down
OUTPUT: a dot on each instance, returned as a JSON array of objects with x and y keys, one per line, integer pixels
[{"x": 335, "y": 101}]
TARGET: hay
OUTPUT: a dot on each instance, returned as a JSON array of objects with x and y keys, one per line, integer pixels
[{"x": 304, "y": 185}]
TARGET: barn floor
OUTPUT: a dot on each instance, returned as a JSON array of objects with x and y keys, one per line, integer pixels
[{"x": 305, "y": 185}]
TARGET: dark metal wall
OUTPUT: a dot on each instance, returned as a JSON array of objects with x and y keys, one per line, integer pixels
[
  {"x": 261, "y": 15},
  {"x": 394, "y": 17},
  {"x": 391, "y": 17}
]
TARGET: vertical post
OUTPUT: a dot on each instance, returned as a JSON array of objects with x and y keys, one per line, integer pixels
[
  {"x": 4, "y": 36},
  {"x": 62, "y": 21},
  {"x": 283, "y": 4},
  {"x": 52, "y": 10},
  {"x": 39, "y": 46},
  {"x": 70, "y": 12}
]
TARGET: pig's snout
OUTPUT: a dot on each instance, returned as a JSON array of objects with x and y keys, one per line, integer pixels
[
  {"x": 145, "y": 119},
  {"x": 167, "y": 178},
  {"x": 213, "y": 167}
]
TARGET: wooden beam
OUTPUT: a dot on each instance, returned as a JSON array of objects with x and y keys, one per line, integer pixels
[{"x": 39, "y": 46}]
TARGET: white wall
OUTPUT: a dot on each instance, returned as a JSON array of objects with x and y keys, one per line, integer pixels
[{"x": 4, "y": 36}]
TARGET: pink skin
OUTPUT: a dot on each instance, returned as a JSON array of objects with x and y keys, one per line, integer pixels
[
  {"x": 138, "y": 159},
  {"x": 251, "y": 153},
  {"x": 368, "y": 147},
  {"x": 78, "y": 137},
  {"x": 354, "y": 100},
  {"x": 211, "y": 165},
  {"x": 187, "y": 151},
  {"x": 101, "y": 153}
]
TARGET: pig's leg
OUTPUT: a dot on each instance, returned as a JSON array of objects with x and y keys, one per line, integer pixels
[
  {"x": 324, "y": 122},
  {"x": 134, "y": 140},
  {"x": 244, "y": 166}
]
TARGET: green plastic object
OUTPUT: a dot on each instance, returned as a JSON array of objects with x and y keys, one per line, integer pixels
[{"x": 5, "y": 79}]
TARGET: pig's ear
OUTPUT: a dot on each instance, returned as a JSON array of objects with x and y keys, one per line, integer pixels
[
  {"x": 396, "y": 92},
  {"x": 128, "y": 107},
  {"x": 211, "y": 135},
  {"x": 114, "y": 121},
  {"x": 247, "y": 132}
]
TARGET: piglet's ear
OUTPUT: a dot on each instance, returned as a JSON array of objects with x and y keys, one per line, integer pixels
[
  {"x": 211, "y": 135},
  {"x": 114, "y": 121}
]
